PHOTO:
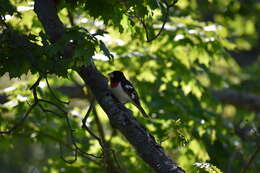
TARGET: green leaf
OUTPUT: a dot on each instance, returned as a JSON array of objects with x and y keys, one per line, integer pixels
[{"x": 105, "y": 50}]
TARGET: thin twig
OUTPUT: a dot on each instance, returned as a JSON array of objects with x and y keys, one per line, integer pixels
[
  {"x": 92, "y": 103},
  {"x": 36, "y": 84},
  {"x": 165, "y": 19},
  {"x": 33, "y": 87},
  {"x": 77, "y": 149},
  {"x": 48, "y": 111},
  {"x": 166, "y": 16},
  {"x": 53, "y": 94},
  {"x": 65, "y": 145},
  {"x": 54, "y": 104},
  {"x": 36, "y": 99},
  {"x": 73, "y": 139},
  {"x": 250, "y": 160},
  {"x": 68, "y": 161},
  {"x": 11, "y": 130}
]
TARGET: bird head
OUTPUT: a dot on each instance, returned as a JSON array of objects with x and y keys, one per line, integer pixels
[{"x": 116, "y": 76}]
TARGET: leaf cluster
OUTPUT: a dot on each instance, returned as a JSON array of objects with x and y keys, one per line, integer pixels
[{"x": 37, "y": 55}]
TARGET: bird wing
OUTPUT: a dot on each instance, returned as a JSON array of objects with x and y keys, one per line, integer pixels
[{"x": 129, "y": 89}]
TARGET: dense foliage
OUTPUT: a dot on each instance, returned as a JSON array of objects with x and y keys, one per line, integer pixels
[{"x": 179, "y": 68}]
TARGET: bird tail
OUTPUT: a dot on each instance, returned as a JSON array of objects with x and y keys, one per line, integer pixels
[{"x": 142, "y": 111}]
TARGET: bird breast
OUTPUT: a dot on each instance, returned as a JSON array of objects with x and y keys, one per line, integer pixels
[{"x": 120, "y": 94}]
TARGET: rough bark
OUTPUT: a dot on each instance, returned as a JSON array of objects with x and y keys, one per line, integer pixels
[{"x": 120, "y": 117}]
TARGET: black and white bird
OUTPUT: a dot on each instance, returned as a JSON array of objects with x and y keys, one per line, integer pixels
[{"x": 124, "y": 91}]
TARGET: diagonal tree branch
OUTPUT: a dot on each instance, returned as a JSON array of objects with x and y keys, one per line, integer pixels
[
  {"x": 49, "y": 19},
  {"x": 120, "y": 117},
  {"x": 248, "y": 101}
]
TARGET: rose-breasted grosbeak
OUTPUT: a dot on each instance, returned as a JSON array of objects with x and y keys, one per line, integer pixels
[{"x": 124, "y": 91}]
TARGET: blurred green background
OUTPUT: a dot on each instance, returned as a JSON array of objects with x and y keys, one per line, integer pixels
[{"x": 199, "y": 80}]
